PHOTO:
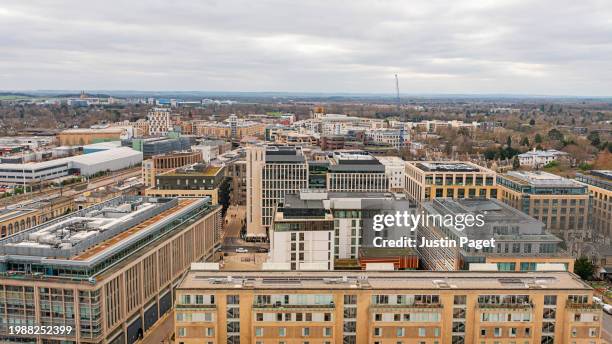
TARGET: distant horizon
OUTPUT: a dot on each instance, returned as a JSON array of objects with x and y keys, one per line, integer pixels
[{"x": 50, "y": 92}]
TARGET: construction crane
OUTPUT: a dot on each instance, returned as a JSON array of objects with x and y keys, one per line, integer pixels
[
  {"x": 403, "y": 119},
  {"x": 397, "y": 97}
]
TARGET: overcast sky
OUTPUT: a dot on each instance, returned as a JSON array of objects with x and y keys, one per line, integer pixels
[{"x": 543, "y": 47}]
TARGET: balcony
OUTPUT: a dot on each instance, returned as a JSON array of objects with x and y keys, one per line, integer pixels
[
  {"x": 524, "y": 305},
  {"x": 281, "y": 306},
  {"x": 195, "y": 306},
  {"x": 583, "y": 306},
  {"x": 407, "y": 306}
]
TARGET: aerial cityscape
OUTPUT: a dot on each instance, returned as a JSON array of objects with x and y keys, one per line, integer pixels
[{"x": 308, "y": 173}]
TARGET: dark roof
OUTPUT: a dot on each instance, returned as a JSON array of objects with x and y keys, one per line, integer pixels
[
  {"x": 357, "y": 168},
  {"x": 282, "y": 158}
]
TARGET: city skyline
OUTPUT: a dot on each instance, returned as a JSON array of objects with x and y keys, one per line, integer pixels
[{"x": 475, "y": 47}]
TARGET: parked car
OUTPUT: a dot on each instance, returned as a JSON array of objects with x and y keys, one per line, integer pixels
[
  {"x": 607, "y": 308},
  {"x": 241, "y": 250},
  {"x": 598, "y": 300}
]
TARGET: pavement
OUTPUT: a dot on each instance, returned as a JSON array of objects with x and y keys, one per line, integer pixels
[
  {"x": 606, "y": 323},
  {"x": 251, "y": 260},
  {"x": 161, "y": 332}
]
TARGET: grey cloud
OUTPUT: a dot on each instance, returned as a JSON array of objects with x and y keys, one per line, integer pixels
[{"x": 470, "y": 46}]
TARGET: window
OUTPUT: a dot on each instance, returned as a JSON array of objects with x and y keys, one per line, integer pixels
[
  {"x": 258, "y": 331},
  {"x": 282, "y": 332},
  {"x": 459, "y": 300},
  {"x": 422, "y": 332},
  {"x": 233, "y": 299},
  {"x": 327, "y": 332},
  {"x": 401, "y": 332},
  {"x": 210, "y": 331},
  {"x": 350, "y": 299},
  {"x": 377, "y": 332},
  {"x": 550, "y": 300},
  {"x": 306, "y": 331},
  {"x": 497, "y": 332},
  {"x": 182, "y": 332},
  {"x": 259, "y": 317}
]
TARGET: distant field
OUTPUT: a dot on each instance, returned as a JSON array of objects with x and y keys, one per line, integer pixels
[{"x": 13, "y": 97}]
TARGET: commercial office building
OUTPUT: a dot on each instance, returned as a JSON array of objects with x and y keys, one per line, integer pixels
[
  {"x": 159, "y": 164},
  {"x": 599, "y": 184},
  {"x": 521, "y": 242},
  {"x": 385, "y": 307},
  {"x": 426, "y": 180},
  {"x": 196, "y": 180},
  {"x": 108, "y": 270},
  {"x": 560, "y": 203},
  {"x": 272, "y": 172}
]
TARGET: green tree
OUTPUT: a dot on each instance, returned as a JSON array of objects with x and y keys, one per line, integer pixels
[
  {"x": 509, "y": 141},
  {"x": 525, "y": 141},
  {"x": 555, "y": 134},
  {"x": 538, "y": 138},
  {"x": 584, "y": 268},
  {"x": 594, "y": 138},
  {"x": 532, "y": 122},
  {"x": 516, "y": 164}
]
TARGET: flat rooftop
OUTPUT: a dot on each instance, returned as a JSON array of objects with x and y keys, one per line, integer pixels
[
  {"x": 9, "y": 214},
  {"x": 95, "y": 231},
  {"x": 491, "y": 209},
  {"x": 599, "y": 178},
  {"x": 447, "y": 166},
  {"x": 112, "y": 241},
  {"x": 540, "y": 179},
  {"x": 382, "y": 280},
  {"x": 194, "y": 171}
]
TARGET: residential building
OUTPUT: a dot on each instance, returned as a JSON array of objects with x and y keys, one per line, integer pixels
[
  {"x": 159, "y": 122},
  {"x": 234, "y": 129},
  {"x": 316, "y": 228},
  {"x": 397, "y": 138},
  {"x": 159, "y": 164},
  {"x": 521, "y": 242},
  {"x": 427, "y": 180},
  {"x": 561, "y": 204},
  {"x": 107, "y": 271},
  {"x": 385, "y": 307},
  {"x": 599, "y": 184},
  {"x": 540, "y": 158}
]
